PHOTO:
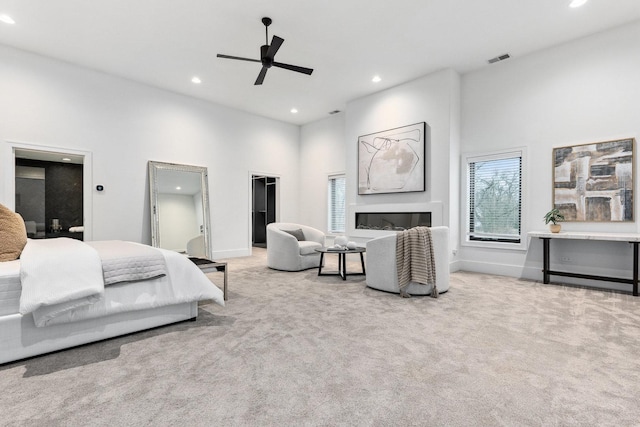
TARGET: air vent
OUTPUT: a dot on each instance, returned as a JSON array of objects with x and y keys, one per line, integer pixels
[
  {"x": 499, "y": 58},
  {"x": 334, "y": 112}
]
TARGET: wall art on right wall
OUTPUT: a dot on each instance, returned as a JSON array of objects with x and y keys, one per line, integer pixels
[{"x": 594, "y": 182}]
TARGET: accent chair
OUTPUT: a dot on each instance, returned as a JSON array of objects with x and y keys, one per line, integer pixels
[
  {"x": 382, "y": 272},
  {"x": 292, "y": 247}
]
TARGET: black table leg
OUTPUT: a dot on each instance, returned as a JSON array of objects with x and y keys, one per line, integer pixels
[
  {"x": 342, "y": 265},
  {"x": 635, "y": 268},
  {"x": 362, "y": 262},
  {"x": 545, "y": 259},
  {"x": 321, "y": 263}
]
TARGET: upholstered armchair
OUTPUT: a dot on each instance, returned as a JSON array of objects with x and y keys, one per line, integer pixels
[
  {"x": 382, "y": 272},
  {"x": 195, "y": 247},
  {"x": 292, "y": 247}
]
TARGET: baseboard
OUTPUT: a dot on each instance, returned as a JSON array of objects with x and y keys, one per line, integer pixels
[
  {"x": 455, "y": 266},
  {"x": 509, "y": 270},
  {"x": 232, "y": 253}
]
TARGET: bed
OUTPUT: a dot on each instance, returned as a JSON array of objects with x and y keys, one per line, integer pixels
[{"x": 43, "y": 311}]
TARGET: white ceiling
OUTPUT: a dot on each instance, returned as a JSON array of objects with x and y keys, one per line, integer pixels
[{"x": 164, "y": 43}]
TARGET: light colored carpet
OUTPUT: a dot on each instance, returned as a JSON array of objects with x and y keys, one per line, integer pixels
[{"x": 297, "y": 349}]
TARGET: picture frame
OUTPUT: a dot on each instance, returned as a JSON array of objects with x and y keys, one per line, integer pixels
[
  {"x": 392, "y": 161},
  {"x": 594, "y": 182}
]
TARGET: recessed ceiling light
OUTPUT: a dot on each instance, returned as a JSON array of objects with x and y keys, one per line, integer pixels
[
  {"x": 178, "y": 188},
  {"x": 196, "y": 80},
  {"x": 66, "y": 159},
  {"x": 7, "y": 19},
  {"x": 294, "y": 110},
  {"x": 577, "y": 3},
  {"x": 376, "y": 79}
]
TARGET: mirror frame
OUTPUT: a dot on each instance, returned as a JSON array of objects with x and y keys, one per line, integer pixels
[{"x": 154, "y": 168}]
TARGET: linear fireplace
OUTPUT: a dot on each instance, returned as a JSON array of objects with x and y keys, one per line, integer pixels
[{"x": 392, "y": 221}]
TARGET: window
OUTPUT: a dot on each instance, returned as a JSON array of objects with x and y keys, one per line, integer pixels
[
  {"x": 494, "y": 199},
  {"x": 336, "y": 204}
]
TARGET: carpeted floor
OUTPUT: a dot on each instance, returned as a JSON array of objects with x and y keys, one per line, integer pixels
[{"x": 301, "y": 350}]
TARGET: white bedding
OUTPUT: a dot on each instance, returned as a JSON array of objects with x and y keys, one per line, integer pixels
[
  {"x": 58, "y": 275},
  {"x": 10, "y": 287},
  {"x": 184, "y": 283}
]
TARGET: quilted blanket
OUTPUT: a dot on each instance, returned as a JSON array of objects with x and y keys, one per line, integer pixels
[{"x": 128, "y": 261}]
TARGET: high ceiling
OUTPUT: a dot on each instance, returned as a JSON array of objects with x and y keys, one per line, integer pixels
[{"x": 164, "y": 43}]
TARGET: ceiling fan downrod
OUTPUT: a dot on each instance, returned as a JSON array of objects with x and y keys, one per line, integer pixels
[
  {"x": 266, "y": 21},
  {"x": 264, "y": 49}
]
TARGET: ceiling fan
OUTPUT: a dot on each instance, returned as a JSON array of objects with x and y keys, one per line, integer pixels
[{"x": 267, "y": 52}]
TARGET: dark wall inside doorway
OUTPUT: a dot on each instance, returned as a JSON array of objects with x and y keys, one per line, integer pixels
[{"x": 63, "y": 197}]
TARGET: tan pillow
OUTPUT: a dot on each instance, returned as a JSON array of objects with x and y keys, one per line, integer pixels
[{"x": 13, "y": 234}]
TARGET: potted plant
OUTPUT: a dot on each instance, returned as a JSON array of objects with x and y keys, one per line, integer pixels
[{"x": 554, "y": 217}]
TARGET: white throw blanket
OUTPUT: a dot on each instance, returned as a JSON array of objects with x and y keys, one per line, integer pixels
[{"x": 59, "y": 275}]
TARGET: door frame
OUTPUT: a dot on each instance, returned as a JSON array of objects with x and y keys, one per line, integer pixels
[{"x": 9, "y": 168}]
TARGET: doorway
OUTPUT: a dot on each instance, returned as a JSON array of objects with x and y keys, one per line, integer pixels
[
  {"x": 264, "y": 199},
  {"x": 51, "y": 189},
  {"x": 30, "y": 198}
]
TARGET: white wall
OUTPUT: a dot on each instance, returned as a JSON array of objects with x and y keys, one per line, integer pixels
[
  {"x": 433, "y": 99},
  {"x": 580, "y": 92},
  {"x": 178, "y": 221},
  {"x": 124, "y": 124},
  {"x": 455, "y": 115},
  {"x": 330, "y": 145},
  {"x": 197, "y": 202},
  {"x": 322, "y": 153}
]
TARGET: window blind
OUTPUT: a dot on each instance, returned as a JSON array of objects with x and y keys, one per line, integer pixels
[
  {"x": 336, "y": 205},
  {"x": 495, "y": 197}
]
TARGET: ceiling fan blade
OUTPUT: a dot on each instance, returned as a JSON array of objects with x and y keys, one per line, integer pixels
[
  {"x": 237, "y": 57},
  {"x": 260, "y": 78},
  {"x": 276, "y": 42},
  {"x": 293, "y": 68}
]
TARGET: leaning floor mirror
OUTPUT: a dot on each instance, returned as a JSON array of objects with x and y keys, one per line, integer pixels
[{"x": 180, "y": 208}]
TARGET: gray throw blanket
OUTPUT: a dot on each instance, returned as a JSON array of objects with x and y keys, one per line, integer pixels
[{"x": 415, "y": 259}]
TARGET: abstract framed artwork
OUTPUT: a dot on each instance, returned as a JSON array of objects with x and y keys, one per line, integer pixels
[
  {"x": 594, "y": 182},
  {"x": 392, "y": 161}
]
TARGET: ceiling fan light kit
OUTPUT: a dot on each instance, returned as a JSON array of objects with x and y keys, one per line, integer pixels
[{"x": 267, "y": 54}]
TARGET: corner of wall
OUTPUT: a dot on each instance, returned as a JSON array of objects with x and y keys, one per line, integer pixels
[{"x": 455, "y": 127}]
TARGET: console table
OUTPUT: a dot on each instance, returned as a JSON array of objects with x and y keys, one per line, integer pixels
[{"x": 546, "y": 237}]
